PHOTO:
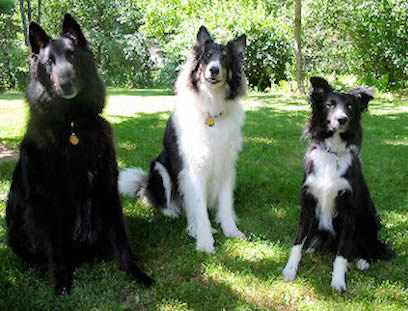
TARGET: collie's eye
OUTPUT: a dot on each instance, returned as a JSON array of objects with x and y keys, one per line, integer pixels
[
  {"x": 350, "y": 106},
  {"x": 331, "y": 103},
  {"x": 209, "y": 53},
  {"x": 50, "y": 61}
]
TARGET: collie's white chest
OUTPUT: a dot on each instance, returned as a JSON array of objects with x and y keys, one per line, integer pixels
[
  {"x": 210, "y": 149},
  {"x": 326, "y": 181}
]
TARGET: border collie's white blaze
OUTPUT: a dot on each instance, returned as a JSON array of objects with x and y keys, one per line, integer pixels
[
  {"x": 196, "y": 169},
  {"x": 337, "y": 211}
]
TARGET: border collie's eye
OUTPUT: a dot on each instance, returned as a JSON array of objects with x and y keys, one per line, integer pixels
[
  {"x": 209, "y": 53},
  {"x": 331, "y": 103},
  {"x": 50, "y": 61},
  {"x": 350, "y": 106}
]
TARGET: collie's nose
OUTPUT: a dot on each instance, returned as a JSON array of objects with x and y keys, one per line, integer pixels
[
  {"x": 214, "y": 71},
  {"x": 343, "y": 120}
]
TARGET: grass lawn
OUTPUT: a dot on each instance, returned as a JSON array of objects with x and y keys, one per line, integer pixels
[{"x": 243, "y": 274}]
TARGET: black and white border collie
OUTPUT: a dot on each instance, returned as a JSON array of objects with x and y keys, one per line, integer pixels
[
  {"x": 337, "y": 211},
  {"x": 196, "y": 169}
]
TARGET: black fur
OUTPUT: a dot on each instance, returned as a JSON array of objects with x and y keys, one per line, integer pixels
[
  {"x": 170, "y": 158},
  {"x": 206, "y": 49},
  {"x": 355, "y": 220},
  {"x": 63, "y": 206}
]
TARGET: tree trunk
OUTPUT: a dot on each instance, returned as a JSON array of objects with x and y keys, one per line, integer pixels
[
  {"x": 29, "y": 10},
  {"x": 39, "y": 13},
  {"x": 298, "y": 46},
  {"x": 23, "y": 18}
]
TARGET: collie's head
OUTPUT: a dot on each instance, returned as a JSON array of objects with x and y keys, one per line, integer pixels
[
  {"x": 217, "y": 67},
  {"x": 336, "y": 112}
]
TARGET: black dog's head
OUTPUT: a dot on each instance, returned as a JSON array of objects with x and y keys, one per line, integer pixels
[
  {"x": 335, "y": 112},
  {"x": 218, "y": 66},
  {"x": 55, "y": 62}
]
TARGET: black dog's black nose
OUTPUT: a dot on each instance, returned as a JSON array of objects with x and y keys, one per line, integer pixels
[
  {"x": 214, "y": 70},
  {"x": 66, "y": 84},
  {"x": 343, "y": 121}
]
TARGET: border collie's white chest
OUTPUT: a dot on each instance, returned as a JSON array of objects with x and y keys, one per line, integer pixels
[{"x": 326, "y": 179}]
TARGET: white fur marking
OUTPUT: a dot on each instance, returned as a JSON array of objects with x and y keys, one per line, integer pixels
[
  {"x": 339, "y": 274},
  {"x": 363, "y": 264},
  {"x": 326, "y": 180},
  {"x": 289, "y": 273},
  {"x": 130, "y": 180}
]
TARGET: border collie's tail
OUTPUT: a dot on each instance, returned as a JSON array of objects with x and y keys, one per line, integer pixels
[{"x": 131, "y": 181}]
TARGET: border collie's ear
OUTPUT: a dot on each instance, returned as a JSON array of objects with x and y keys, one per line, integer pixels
[
  {"x": 38, "y": 37},
  {"x": 320, "y": 87},
  {"x": 363, "y": 95},
  {"x": 71, "y": 28},
  {"x": 238, "y": 45},
  {"x": 202, "y": 37}
]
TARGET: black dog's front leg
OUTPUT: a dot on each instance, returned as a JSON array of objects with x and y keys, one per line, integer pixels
[
  {"x": 345, "y": 242},
  {"x": 307, "y": 217},
  {"x": 119, "y": 240}
]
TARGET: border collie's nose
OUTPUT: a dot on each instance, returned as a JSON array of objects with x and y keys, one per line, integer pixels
[
  {"x": 343, "y": 120},
  {"x": 214, "y": 70},
  {"x": 65, "y": 84}
]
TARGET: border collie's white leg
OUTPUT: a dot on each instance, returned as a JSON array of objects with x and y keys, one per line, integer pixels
[
  {"x": 339, "y": 274},
  {"x": 225, "y": 211},
  {"x": 195, "y": 204},
  {"x": 305, "y": 223}
]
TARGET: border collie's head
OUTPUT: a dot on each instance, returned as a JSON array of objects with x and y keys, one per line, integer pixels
[
  {"x": 218, "y": 66},
  {"x": 55, "y": 62},
  {"x": 336, "y": 112}
]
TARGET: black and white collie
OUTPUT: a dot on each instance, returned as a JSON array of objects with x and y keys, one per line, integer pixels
[
  {"x": 196, "y": 169},
  {"x": 64, "y": 206},
  {"x": 337, "y": 211}
]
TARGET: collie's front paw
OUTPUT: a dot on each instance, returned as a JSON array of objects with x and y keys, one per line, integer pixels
[
  {"x": 234, "y": 234},
  {"x": 206, "y": 245},
  {"x": 289, "y": 273},
  {"x": 339, "y": 284},
  {"x": 363, "y": 264}
]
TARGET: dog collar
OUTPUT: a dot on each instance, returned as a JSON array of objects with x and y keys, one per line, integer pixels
[
  {"x": 210, "y": 121},
  {"x": 73, "y": 139}
]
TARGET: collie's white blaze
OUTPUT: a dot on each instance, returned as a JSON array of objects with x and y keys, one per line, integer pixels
[
  {"x": 289, "y": 273},
  {"x": 363, "y": 264},
  {"x": 209, "y": 155},
  {"x": 339, "y": 274},
  {"x": 326, "y": 181},
  {"x": 130, "y": 180}
]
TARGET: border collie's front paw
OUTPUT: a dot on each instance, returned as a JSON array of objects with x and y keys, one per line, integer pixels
[
  {"x": 234, "y": 234},
  {"x": 135, "y": 273},
  {"x": 339, "y": 284},
  {"x": 206, "y": 244},
  {"x": 289, "y": 273},
  {"x": 363, "y": 264}
]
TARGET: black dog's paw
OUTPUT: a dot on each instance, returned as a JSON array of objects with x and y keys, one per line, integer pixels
[
  {"x": 138, "y": 275},
  {"x": 63, "y": 281}
]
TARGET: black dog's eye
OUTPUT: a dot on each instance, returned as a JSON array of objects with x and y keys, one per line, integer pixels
[
  {"x": 331, "y": 103},
  {"x": 50, "y": 61},
  {"x": 209, "y": 53},
  {"x": 350, "y": 106}
]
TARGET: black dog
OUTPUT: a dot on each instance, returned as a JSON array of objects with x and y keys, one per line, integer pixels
[
  {"x": 337, "y": 211},
  {"x": 63, "y": 206}
]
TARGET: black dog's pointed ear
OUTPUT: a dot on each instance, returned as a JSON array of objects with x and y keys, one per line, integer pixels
[
  {"x": 238, "y": 45},
  {"x": 363, "y": 96},
  {"x": 38, "y": 37},
  {"x": 70, "y": 28},
  {"x": 202, "y": 37},
  {"x": 320, "y": 88}
]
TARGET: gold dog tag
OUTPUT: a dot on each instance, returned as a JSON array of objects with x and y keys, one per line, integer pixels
[
  {"x": 210, "y": 121},
  {"x": 73, "y": 139}
]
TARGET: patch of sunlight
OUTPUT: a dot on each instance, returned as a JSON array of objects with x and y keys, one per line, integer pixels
[
  {"x": 260, "y": 140},
  {"x": 120, "y": 105},
  {"x": 283, "y": 103},
  {"x": 172, "y": 304},
  {"x": 254, "y": 251},
  {"x": 387, "y": 108},
  {"x": 273, "y": 293},
  {"x": 128, "y": 146},
  {"x": 402, "y": 142}
]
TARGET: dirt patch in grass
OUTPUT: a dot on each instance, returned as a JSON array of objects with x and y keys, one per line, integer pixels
[{"x": 7, "y": 154}]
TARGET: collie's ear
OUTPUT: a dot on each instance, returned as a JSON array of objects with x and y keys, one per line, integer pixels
[
  {"x": 320, "y": 88},
  {"x": 238, "y": 45},
  {"x": 202, "y": 38},
  {"x": 38, "y": 37},
  {"x": 70, "y": 28},
  {"x": 363, "y": 96}
]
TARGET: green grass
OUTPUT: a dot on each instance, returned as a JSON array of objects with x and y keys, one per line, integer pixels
[{"x": 243, "y": 274}]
